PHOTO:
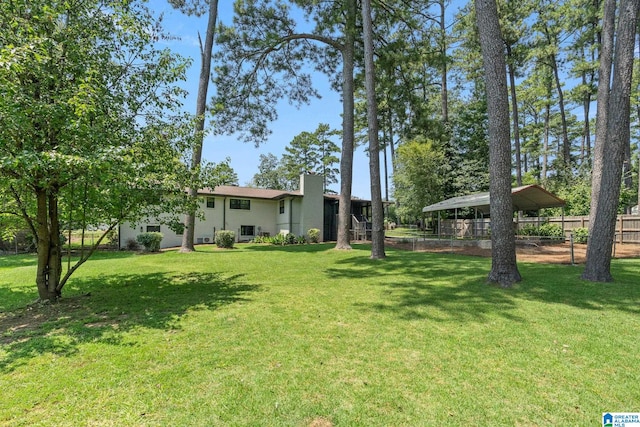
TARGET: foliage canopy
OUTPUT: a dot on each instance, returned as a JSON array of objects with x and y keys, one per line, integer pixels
[{"x": 90, "y": 124}]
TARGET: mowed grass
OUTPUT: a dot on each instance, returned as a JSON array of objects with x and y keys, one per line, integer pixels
[{"x": 310, "y": 336}]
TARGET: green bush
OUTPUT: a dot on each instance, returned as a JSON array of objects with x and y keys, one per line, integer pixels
[
  {"x": 290, "y": 239},
  {"x": 314, "y": 235},
  {"x": 261, "y": 239},
  {"x": 580, "y": 234},
  {"x": 150, "y": 241},
  {"x": 550, "y": 230},
  {"x": 278, "y": 239},
  {"x": 132, "y": 245},
  {"x": 281, "y": 239},
  {"x": 225, "y": 239},
  {"x": 545, "y": 230},
  {"x": 528, "y": 230}
]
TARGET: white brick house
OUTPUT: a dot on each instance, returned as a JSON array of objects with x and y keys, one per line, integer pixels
[{"x": 248, "y": 212}]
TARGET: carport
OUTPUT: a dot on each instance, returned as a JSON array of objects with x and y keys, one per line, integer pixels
[{"x": 525, "y": 198}]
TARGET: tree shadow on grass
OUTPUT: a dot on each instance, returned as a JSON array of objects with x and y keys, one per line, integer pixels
[
  {"x": 431, "y": 286},
  {"x": 20, "y": 260},
  {"x": 29, "y": 260},
  {"x": 308, "y": 248},
  {"x": 561, "y": 284},
  {"x": 444, "y": 287},
  {"x": 13, "y": 296},
  {"x": 115, "y": 304}
]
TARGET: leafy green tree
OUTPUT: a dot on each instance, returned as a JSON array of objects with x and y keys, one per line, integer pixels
[
  {"x": 306, "y": 153},
  {"x": 220, "y": 173},
  {"x": 467, "y": 171},
  {"x": 271, "y": 174},
  {"x": 418, "y": 181},
  {"x": 577, "y": 194},
  {"x": 85, "y": 100},
  {"x": 312, "y": 152},
  {"x": 301, "y": 155},
  {"x": 11, "y": 221}
]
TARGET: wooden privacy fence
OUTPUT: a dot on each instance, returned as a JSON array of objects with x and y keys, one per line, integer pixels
[{"x": 627, "y": 226}]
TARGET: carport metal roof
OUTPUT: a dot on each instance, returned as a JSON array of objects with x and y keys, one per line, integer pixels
[{"x": 525, "y": 198}]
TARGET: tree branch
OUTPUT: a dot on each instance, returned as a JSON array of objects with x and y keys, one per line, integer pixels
[{"x": 23, "y": 212}]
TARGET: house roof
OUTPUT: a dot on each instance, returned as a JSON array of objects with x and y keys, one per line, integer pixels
[
  {"x": 525, "y": 198},
  {"x": 248, "y": 192},
  {"x": 332, "y": 196}
]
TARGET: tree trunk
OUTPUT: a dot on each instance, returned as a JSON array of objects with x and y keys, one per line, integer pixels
[
  {"x": 188, "y": 236},
  {"x": 444, "y": 91},
  {"x": 346, "y": 160},
  {"x": 545, "y": 144},
  {"x": 55, "y": 252},
  {"x": 637, "y": 70},
  {"x": 602, "y": 106},
  {"x": 377, "y": 212},
  {"x": 627, "y": 174},
  {"x": 595, "y": 22},
  {"x": 392, "y": 149},
  {"x": 504, "y": 270},
  {"x": 602, "y": 231},
  {"x": 385, "y": 159},
  {"x": 514, "y": 111},
  {"x": 586, "y": 137},
  {"x": 566, "y": 145},
  {"x": 48, "y": 245}
]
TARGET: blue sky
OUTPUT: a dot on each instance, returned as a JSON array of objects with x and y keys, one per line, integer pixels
[{"x": 292, "y": 121}]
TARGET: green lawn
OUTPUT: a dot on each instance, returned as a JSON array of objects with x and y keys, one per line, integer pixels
[{"x": 300, "y": 336}]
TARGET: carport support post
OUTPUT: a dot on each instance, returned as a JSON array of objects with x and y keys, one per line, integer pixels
[
  {"x": 455, "y": 225},
  {"x": 571, "y": 241},
  {"x": 475, "y": 224}
]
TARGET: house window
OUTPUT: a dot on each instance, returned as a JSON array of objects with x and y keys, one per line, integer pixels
[
  {"x": 281, "y": 206},
  {"x": 247, "y": 230},
  {"x": 211, "y": 202},
  {"x": 153, "y": 228},
  {"x": 243, "y": 204}
]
